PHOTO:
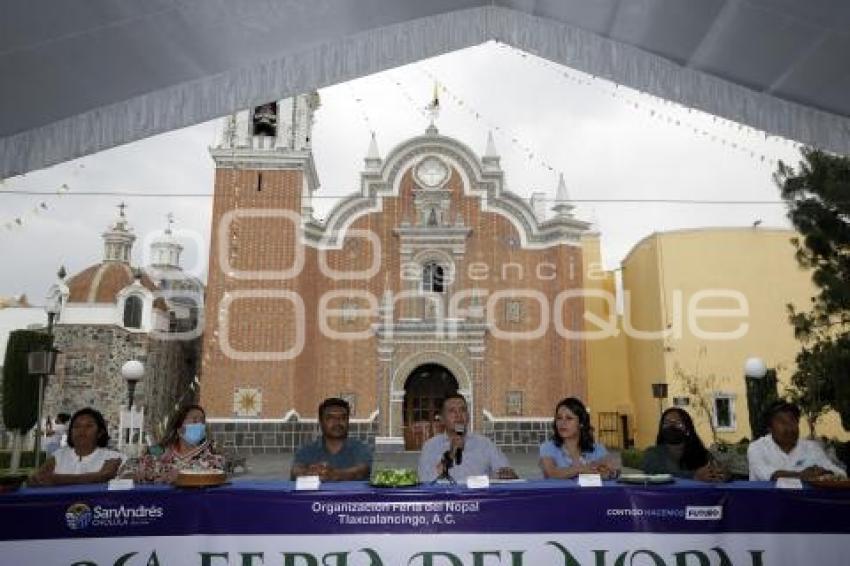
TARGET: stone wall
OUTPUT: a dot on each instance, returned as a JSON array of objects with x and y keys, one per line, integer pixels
[
  {"x": 274, "y": 437},
  {"x": 518, "y": 436},
  {"x": 245, "y": 437},
  {"x": 88, "y": 373},
  {"x": 171, "y": 367}
]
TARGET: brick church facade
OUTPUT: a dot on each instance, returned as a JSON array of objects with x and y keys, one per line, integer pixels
[{"x": 432, "y": 278}]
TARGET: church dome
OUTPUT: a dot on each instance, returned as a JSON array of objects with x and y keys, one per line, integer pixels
[
  {"x": 165, "y": 249},
  {"x": 165, "y": 270},
  {"x": 176, "y": 280},
  {"x": 102, "y": 282}
]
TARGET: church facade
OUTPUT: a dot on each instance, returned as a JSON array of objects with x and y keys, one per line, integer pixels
[{"x": 432, "y": 278}]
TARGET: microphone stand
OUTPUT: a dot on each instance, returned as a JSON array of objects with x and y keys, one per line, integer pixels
[{"x": 444, "y": 477}]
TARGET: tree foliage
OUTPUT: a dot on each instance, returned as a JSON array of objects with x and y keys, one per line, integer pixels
[
  {"x": 818, "y": 197},
  {"x": 20, "y": 389},
  {"x": 699, "y": 389}
]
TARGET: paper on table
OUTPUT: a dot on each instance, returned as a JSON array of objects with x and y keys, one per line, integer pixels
[
  {"x": 789, "y": 483},
  {"x": 120, "y": 484},
  {"x": 590, "y": 480},
  {"x": 478, "y": 482},
  {"x": 307, "y": 483}
]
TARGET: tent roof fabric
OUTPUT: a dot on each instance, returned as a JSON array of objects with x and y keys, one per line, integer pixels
[{"x": 80, "y": 77}]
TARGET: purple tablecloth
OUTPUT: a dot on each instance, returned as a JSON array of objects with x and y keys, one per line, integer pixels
[{"x": 271, "y": 508}]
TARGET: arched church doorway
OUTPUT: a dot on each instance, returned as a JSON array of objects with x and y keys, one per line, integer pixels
[{"x": 424, "y": 389}]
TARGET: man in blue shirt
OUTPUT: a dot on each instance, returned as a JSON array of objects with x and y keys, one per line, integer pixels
[{"x": 333, "y": 456}]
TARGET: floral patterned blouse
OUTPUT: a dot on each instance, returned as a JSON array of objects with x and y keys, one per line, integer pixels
[{"x": 162, "y": 465}]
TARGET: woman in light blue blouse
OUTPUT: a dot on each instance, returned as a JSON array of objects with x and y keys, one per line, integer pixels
[{"x": 572, "y": 450}]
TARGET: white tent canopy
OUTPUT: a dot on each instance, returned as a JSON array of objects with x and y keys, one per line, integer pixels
[{"x": 79, "y": 77}]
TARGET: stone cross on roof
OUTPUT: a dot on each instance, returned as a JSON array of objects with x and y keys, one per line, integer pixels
[{"x": 433, "y": 109}]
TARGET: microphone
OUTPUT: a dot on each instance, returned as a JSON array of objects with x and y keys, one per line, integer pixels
[
  {"x": 460, "y": 430},
  {"x": 447, "y": 461}
]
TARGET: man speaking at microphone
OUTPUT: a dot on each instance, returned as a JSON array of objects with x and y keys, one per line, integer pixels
[{"x": 459, "y": 451}]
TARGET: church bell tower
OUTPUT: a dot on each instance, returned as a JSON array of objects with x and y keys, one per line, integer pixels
[{"x": 264, "y": 181}]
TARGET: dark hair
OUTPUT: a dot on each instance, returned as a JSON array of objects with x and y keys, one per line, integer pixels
[
  {"x": 780, "y": 406},
  {"x": 451, "y": 396},
  {"x": 63, "y": 418},
  {"x": 172, "y": 431},
  {"x": 695, "y": 454},
  {"x": 102, "y": 431},
  {"x": 334, "y": 402},
  {"x": 585, "y": 432}
]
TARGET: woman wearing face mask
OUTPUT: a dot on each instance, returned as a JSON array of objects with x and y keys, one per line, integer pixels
[
  {"x": 679, "y": 451},
  {"x": 184, "y": 446}
]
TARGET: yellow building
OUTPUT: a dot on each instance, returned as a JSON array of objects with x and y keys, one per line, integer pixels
[
  {"x": 696, "y": 303},
  {"x": 609, "y": 394}
]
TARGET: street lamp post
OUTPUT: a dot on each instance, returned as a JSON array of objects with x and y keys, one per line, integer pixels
[
  {"x": 761, "y": 390},
  {"x": 659, "y": 391},
  {"x": 754, "y": 368},
  {"x": 132, "y": 372},
  {"x": 42, "y": 364}
]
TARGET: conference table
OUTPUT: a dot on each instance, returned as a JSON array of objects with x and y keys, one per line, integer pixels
[{"x": 528, "y": 523}]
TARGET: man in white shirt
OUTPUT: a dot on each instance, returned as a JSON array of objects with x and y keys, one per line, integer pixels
[
  {"x": 460, "y": 454},
  {"x": 781, "y": 454}
]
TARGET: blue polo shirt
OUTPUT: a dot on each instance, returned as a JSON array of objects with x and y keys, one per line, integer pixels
[{"x": 353, "y": 453}]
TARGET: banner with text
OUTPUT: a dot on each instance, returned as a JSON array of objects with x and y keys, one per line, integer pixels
[{"x": 635, "y": 549}]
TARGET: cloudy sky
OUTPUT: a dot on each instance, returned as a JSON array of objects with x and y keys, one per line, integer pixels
[{"x": 616, "y": 147}]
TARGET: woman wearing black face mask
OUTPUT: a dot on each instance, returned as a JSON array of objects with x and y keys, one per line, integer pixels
[{"x": 679, "y": 451}]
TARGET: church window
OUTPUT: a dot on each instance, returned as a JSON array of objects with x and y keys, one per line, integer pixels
[
  {"x": 265, "y": 120},
  {"x": 133, "y": 312},
  {"x": 433, "y": 277},
  {"x": 723, "y": 414},
  {"x": 514, "y": 403},
  {"x": 513, "y": 311}
]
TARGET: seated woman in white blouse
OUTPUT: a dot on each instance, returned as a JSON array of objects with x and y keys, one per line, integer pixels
[{"x": 86, "y": 458}]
